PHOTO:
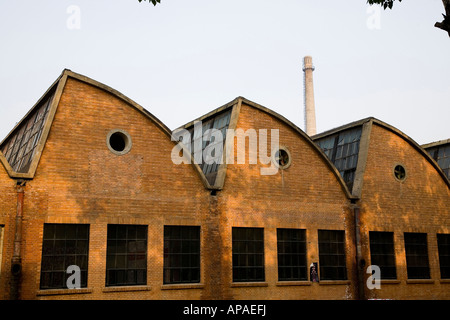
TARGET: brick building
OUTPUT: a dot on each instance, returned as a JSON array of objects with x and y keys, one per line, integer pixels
[{"x": 88, "y": 179}]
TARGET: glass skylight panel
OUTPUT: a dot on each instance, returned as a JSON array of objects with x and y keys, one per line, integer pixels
[
  {"x": 342, "y": 149},
  {"x": 442, "y": 156},
  {"x": 20, "y": 147},
  {"x": 218, "y": 122}
]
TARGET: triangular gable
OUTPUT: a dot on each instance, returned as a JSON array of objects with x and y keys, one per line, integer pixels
[
  {"x": 365, "y": 126},
  {"x": 23, "y": 165},
  {"x": 21, "y": 149},
  {"x": 440, "y": 152},
  {"x": 221, "y": 119},
  {"x": 346, "y": 149},
  {"x": 216, "y": 178},
  {"x": 416, "y": 146}
]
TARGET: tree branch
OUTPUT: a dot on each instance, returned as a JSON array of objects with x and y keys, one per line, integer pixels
[
  {"x": 152, "y": 1},
  {"x": 445, "y": 24}
]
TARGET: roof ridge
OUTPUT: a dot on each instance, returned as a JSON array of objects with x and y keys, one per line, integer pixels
[
  {"x": 22, "y": 147},
  {"x": 343, "y": 127}
]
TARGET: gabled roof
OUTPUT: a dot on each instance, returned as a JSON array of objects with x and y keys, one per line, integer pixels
[
  {"x": 221, "y": 119},
  {"x": 366, "y": 126},
  {"x": 21, "y": 150},
  {"x": 440, "y": 152},
  {"x": 216, "y": 177},
  {"x": 436, "y": 144},
  {"x": 21, "y": 144}
]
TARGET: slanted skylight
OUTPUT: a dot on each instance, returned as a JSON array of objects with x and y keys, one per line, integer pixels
[
  {"x": 219, "y": 121},
  {"x": 342, "y": 149},
  {"x": 441, "y": 154},
  {"x": 20, "y": 146}
]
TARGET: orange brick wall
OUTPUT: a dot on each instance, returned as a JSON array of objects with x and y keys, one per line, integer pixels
[
  {"x": 306, "y": 195},
  {"x": 79, "y": 180},
  {"x": 8, "y": 205},
  {"x": 418, "y": 204}
]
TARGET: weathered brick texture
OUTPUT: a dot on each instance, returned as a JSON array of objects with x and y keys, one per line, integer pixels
[
  {"x": 79, "y": 180},
  {"x": 420, "y": 203}
]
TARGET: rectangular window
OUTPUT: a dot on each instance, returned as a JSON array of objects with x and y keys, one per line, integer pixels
[
  {"x": 126, "y": 255},
  {"x": 63, "y": 245},
  {"x": 332, "y": 264},
  {"x": 444, "y": 254},
  {"x": 181, "y": 254},
  {"x": 248, "y": 254},
  {"x": 1, "y": 247},
  {"x": 291, "y": 245},
  {"x": 417, "y": 255},
  {"x": 382, "y": 253}
]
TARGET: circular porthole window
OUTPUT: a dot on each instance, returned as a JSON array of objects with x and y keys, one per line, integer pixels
[
  {"x": 399, "y": 172},
  {"x": 282, "y": 158},
  {"x": 118, "y": 142}
]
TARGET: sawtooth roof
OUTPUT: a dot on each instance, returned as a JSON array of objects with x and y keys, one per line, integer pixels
[{"x": 354, "y": 181}]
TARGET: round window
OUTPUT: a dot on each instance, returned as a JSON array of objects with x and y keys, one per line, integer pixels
[
  {"x": 282, "y": 158},
  {"x": 400, "y": 172},
  {"x": 118, "y": 141}
]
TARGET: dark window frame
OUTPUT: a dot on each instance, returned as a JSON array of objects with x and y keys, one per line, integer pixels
[
  {"x": 382, "y": 253},
  {"x": 126, "y": 255},
  {"x": 416, "y": 252},
  {"x": 219, "y": 122},
  {"x": 400, "y": 172},
  {"x": 443, "y": 241},
  {"x": 63, "y": 245},
  {"x": 20, "y": 147},
  {"x": 248, "y": 254},
  {"x": 441, "y": 154},
  {"x": 292, "y": 254},
  {"x": 332, "y": 256},
  {"x": 182, "y": 254},
  {"x": 342, "y": 149}
]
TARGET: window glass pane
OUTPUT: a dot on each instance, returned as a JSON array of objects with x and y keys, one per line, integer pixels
[
  {"x": 63, "y": 245},
  {"x": 382, "y": 253},
  {"x": 181, "y": 254},
  {"x": 444, "y": 255},
  {"x": 124, "y": 266},
  {"x": 416, "y": 255},
  {"x": 332, "y": 261},
  {"x": 248, "y": 254},
  {"x": 291, "y": 245},
  {"x": 342, "y": 149},
  {"x": 20, "y": 146}
]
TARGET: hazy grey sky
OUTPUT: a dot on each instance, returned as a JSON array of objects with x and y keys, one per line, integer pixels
[{"x": 183, "y": 58}]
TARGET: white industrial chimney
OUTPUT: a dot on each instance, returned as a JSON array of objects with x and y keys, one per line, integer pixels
[{"x": 310, "y": 110}]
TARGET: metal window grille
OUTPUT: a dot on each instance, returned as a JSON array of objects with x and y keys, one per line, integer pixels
[
  {"x": 63, "y": 245},
  {"x": 442, "y": 156},
  {"x": 291, "y": 245},
  {"x": 20, "y": 147},
  {"x": 343, "y": 149},
  {"x": 332, "y": 262},
  {"x": 416, "y": 249},
  {"x": 248, "y": 254},
  {"x": 382, "y": 253},
  {"x": 444, "y": 255},
  {"x": 126, "y": 255},
  {"x": 181, "y": 254}
]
